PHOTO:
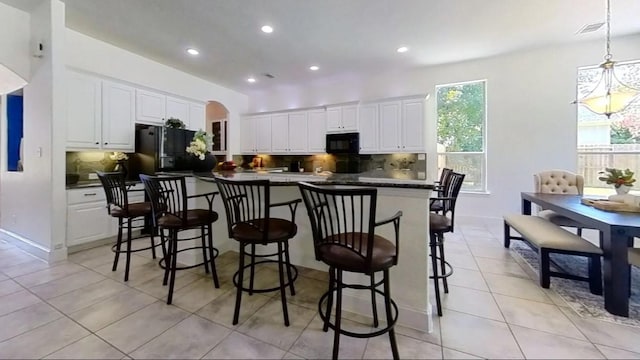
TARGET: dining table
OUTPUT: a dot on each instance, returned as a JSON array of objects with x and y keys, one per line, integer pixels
[{"x": 617, "y": 231}]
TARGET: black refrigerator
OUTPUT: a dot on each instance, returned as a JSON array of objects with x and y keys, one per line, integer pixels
[{"x": 158, "y": 149}]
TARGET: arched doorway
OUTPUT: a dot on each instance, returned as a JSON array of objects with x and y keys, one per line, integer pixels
[{"x": 217, "y": 117}]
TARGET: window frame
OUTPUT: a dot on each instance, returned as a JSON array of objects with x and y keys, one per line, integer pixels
[{"x": 483, "y": 166}]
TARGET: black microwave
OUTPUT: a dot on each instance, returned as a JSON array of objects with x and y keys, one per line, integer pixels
[{"x": 345, "y": 143}]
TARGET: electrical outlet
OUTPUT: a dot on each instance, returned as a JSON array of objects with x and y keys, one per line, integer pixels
[{"x": 93, "y": 176}]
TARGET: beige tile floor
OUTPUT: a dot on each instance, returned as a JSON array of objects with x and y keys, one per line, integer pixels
[{"x": 80, "y": 309}]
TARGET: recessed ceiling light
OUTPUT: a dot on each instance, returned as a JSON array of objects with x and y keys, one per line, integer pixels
[
  {"x": 193, "y": 51},
  {"x": 267, "y": 29},
  {"x": 313, "y": 68},
  {"x": 402, "y": 49},
  {"x": 251, "y": 80}
]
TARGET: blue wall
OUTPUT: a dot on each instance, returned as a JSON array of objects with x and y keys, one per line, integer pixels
[{"x": 14, "y": 130}]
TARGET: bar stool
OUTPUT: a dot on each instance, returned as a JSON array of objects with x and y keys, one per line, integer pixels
[
  {"x": 169, "y": 199},
  {"x": 118, "y": 206},
  {"x": 248, "y": 207},
  {"x": 439, "y": 224},
  {"x": 343, "y": 226}
]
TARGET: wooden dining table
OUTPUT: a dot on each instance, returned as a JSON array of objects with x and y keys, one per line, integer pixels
[{"x": 617, "y": 231}]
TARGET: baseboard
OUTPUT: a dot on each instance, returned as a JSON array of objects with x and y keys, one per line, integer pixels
[
  {"x": 408, "y": 317},
  {"x": 33, "y": 248}
]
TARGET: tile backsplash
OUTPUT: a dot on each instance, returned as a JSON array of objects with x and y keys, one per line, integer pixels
[
  {"x": 84, "y": 163},
  {"x": 328, "y": 161}
]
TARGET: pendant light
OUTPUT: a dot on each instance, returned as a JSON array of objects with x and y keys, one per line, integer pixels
[{"x": 610, "y": 95}]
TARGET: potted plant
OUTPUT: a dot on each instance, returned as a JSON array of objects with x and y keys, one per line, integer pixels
[
  {"x": 622, "y": 180},
  {"x": 199, "y": 148},
  {"x": 174, "y": 123}
]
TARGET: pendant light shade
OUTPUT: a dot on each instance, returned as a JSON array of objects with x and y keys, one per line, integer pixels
[{"x": 610, "y": 95}]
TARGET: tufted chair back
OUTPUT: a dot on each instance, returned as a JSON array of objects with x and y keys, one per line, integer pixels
[{"x": 558, "y": 182}]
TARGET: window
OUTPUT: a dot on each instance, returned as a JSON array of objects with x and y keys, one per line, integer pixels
[
  {"x": 603, "y": 142},
  {"x": 462, "y": 117}
]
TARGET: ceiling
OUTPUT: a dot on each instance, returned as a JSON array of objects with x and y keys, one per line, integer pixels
[{"x": 346, "y": 39}]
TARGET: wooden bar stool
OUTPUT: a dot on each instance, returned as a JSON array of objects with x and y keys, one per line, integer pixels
[
  {"x": 248, "y": 207},
  {"x": 118, "y": 206},
  {"x": 171, "y": 214},
  {"x": 343, "y": 226}
]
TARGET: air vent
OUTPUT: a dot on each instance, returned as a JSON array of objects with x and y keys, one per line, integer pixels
[
  {"x": 590, "y": 28},
  {"x": 268, "y": 75}
]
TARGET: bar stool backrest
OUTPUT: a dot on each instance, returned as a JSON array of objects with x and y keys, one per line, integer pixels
[
  {"x": 246, "y": 202},
  {"x": 341, "y": 216},
  {"x": 168, "y": 195},
  {"x": 115, "y": 190}
]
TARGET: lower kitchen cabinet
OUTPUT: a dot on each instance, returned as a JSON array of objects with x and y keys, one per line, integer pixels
[{"x": 87, "y": 217}]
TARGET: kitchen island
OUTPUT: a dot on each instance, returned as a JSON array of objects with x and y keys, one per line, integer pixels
[{"x": 397, "y": 190}]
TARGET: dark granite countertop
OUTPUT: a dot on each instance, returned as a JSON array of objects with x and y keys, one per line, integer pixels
[
  {"x": 95, "y": 183},
  {"x": 377, "y": 178}
]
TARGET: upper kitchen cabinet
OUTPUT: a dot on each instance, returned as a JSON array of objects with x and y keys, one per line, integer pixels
[
  {"x": 84, "y": 111},
  {"x": 368, "y": 128},
  {"x": 118, "y": 103},
  {"x": 342, "y": 118},
  {"x": 177, "y": 109},
  {"x": 413, "y": 125},
  {"x": 402, "y": 125},
  {"x": 150, "y": 107},
  {"x": 256, "y": 134},
  {"x": 289, "y": 133},
  {"x": 197, "y": 116},
  {"x": 155, "y": 108},
  {"x": 99, "y": 114},
  {"x": 316, "y": 130}
]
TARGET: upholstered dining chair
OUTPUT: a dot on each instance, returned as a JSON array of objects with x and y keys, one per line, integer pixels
[{"x": 559, "y": 182}]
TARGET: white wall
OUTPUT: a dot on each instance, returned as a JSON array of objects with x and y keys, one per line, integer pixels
[
  {"x": 32, "y": 203},
  {"x": 14, "y": 40},
  {"x": 89, "y": 54},
  {"x": 531, "y": 124}
]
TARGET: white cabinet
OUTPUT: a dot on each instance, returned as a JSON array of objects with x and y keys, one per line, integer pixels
[
  {"x": 316, "y": 130},
  {"x": 289, "y": 132},
  {"x": 197, "y": 116},
  {"x": 150, "y": 107},
  {"x": 84, "y": 111},
  {"x": 413, "y": 125},
  {"x": 118, "y": 102},
  {"x": 155, "y": 108},
  {"x": 368, "y": 128},
  {"x": 87, "y": 218},
  {"x": 177, "y": 109},
  {"x": 256, "y": 134},
  {"x": 402, "y": 125},
  {"x": 390, "y": 122},
  {"x": 342, "y": 118},
  {"x": 99, "y": 114}
]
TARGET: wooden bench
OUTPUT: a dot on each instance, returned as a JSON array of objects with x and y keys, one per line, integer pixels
[{"x": 546, "y": 238}]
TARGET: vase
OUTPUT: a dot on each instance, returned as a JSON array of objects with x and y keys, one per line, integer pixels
[
  {"x": 622, "y": 189},
  {"x": 121, "y": 167},
  {"x": 205, "y": 165}
]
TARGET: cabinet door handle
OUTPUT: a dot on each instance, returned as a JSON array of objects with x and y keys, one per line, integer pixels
[
  {"x": 90, "y": 194},
  {"x": 106, "y": 143}
]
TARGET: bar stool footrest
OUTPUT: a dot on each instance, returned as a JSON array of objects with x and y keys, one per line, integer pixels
[
  {"x": 294, "y": 276},
  {"x": 385, "y": 330},
  {"x": 185, "y": 267},
  {"x": 446, "y": 274}
]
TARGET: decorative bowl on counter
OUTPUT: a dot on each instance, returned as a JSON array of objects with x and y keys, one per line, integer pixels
[{"x": 228, "y": 165}]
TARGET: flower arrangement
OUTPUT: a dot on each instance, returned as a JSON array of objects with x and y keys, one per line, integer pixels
[
  {"x": 200, "y": 145},
  {"x": 118, "y": 156},
  {"x": 617, "y": 177},
  {"x": 174, "y": 123}
]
